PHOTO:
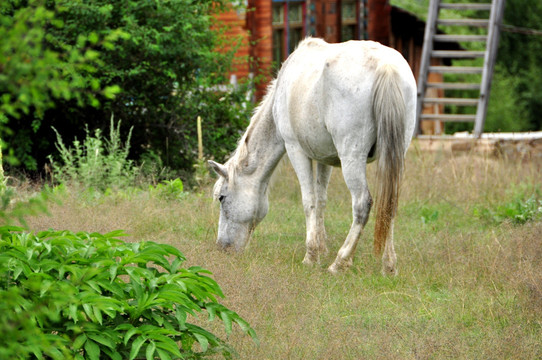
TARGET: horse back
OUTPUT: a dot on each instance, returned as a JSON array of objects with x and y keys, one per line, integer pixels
[{"x": 324, "y": 94}]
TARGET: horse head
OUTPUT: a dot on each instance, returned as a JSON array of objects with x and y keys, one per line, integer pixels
[{"x": 243, "y": 205}]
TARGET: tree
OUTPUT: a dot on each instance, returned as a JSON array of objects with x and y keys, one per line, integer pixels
[
  {"x": 520, "y": 57},
  {"x": 33, "y": 76},
  {"x": 163, "y": 63}
]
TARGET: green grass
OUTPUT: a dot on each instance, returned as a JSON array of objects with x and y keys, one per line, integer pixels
[{"x": 467, "y": 288}]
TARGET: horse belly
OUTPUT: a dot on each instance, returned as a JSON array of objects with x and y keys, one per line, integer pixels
[{"x": 314, "y": 138}]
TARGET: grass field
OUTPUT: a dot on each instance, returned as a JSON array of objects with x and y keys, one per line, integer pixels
[{"x": 469, "y": 283}]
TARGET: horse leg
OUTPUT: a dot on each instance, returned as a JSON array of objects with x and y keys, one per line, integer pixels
[
  {"x": 323, "y": 174},
  {"x": 354, "y": 176},
  {"x": 304, "y": 171},
  {"x": 389, "y": 258}
]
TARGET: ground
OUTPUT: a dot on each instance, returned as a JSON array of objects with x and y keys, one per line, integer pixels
[{"x": 469, "y": 283}]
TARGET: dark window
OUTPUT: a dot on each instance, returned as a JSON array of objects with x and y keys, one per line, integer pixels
[{"x": 288, "y": 28}]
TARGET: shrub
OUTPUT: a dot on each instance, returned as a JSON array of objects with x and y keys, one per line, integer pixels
[
  {"x": 168, "y": 189},
  {"x": 93, "y": 296},
  {"x": 97, "y": 162},
  {"x": 156, "y": 61},
  {"x": 518, "y": 211}
]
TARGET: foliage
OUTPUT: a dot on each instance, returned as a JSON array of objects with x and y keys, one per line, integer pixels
[
  {"x": 164, "y": 69},
  {"x": 33, "y": 75},
  {"x": 508, "y": 110},
  {"x": 520, "y": 54},
  {"x": 15, "y": 210},
  {"x": 96, "y": 162},
  {"x": 169, "y": 189},
  {"x": 518, "y": 211},
  {"x": 12, "y": 209},
  {"x": 93, "y": 296},
  {"x": 516, "y": 95}
]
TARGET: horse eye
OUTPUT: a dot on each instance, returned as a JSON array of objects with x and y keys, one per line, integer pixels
[{"x": 221, "y": 198}]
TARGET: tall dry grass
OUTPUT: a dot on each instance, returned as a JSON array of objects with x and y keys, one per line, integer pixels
[{"x": 467, "y": 288}]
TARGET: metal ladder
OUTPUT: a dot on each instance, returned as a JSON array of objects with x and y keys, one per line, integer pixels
[{"x": 495, "y": 9}]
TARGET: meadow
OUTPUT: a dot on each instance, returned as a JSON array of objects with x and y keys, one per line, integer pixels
[{"x": 469, "y": 246}]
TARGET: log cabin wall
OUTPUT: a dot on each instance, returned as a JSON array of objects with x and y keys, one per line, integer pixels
[
  {"x": 259, "y": 24},
  {"x": 272, "y": 28},
  {"x": 379, "y": 21},
  {"x": 236, "y": 31}
]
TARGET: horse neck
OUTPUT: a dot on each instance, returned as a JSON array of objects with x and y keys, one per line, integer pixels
[{"x": 263, "y": 146}]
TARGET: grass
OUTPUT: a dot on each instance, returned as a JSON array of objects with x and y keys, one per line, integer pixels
[{"x": 467, "y": 288}]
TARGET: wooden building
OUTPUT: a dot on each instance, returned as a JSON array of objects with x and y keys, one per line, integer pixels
[{"x": 269, "y": 30}]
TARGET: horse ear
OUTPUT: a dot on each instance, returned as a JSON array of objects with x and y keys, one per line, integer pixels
[{"x": 219, "y": 168}]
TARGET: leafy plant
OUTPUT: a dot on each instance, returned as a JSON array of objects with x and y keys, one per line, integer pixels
[
  {"x": 169, "y": 189},
  {"x": 429, "y": 215},
  {"x": 92, "y": 296},
  {"x": 97, "y": 162},
  {"x": 518, "y": 211},
  {"x": 160, "y": 61}
]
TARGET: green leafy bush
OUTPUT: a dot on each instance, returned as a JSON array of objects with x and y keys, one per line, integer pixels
[
  {"x": 518, "y": 211},
  {"x": 157, "y": 63},
  {"x": 93, "y": 296},
  {"x": 169, "y": 189},
  {"x": 97, "y": 162}
]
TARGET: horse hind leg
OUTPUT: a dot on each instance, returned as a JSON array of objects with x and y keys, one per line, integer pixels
[
  {"x": 389, "y": 258},
  {"x": 361, "y": 207}
]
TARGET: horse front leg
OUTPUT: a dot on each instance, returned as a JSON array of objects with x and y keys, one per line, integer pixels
[
  {"x": 354, "y": 176},
  {"x": 304, "y": 170},
  {"x": 323, "y": 174}
]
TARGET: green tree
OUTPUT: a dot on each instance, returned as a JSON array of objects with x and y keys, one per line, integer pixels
[
  {"x": 516, "y": 94},
  {"x": 164, "y": 63},
  {"x": 520, "y": 57},
  {"x": 33, "y": 76}
]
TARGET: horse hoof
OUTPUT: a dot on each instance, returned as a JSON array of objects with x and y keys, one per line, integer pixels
[
  {"x": 389, "y": 271},
  {"x": 338, "y": 267},
  {"x": 309, "y": 261}
]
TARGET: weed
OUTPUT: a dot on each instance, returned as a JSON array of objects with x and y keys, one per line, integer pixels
[
  {"x": 518, "y": 211},
  {"x": 97, "y": 162},
  {"x": 168, "y": 189}
]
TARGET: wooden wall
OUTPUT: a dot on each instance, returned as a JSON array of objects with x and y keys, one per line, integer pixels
[
  {"x": 236, "y": 30},
  {"x": 328, "y": 18},
  {"x": 389, "y": 25},
  {"x": 259, "y": 21}
]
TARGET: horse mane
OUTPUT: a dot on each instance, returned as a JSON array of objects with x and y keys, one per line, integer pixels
[{"x": 240, "y": 154}]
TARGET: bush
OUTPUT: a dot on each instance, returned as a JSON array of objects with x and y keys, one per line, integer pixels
[
  {"x": 160, "y": 64},
  {"x": 96, "y": 163},
  {"x": 517, "y": 212},
  {"x": 168, "y": 189},
  {"x": 93, "y": 296}
]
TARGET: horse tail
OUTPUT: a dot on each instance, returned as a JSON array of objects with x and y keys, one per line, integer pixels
[{"x": 389, "y": 111}]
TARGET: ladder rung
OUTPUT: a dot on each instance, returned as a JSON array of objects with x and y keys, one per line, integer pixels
[
  {"x": 454, "y": 86},
  {"x": 449, "y": 117},
  {"x": 452, "y": 101},
  {"x": 463, "y": 22},
  {"x": 457, "y": 54},
  {"x": 465, "y": 6},
  {"x": 459, "y": 38},
  {"x": 455, "y": 69}
]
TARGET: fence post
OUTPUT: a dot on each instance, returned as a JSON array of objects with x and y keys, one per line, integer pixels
[{"x": 200, "y": 140}]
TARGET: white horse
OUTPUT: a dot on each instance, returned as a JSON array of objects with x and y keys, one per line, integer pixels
[{"x": 337, "y": 104}]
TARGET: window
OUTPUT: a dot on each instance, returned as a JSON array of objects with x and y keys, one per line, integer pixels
[
  {"x": 349, "y": 20},
  {"x": 288, "y": 19}
]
